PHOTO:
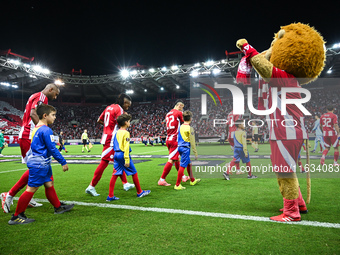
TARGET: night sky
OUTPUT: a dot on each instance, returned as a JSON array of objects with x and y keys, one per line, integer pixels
[{"x": 99, "y": 37}]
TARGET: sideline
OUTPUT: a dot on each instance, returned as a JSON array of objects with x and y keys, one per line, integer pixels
[{"x": 200, "y": 213}]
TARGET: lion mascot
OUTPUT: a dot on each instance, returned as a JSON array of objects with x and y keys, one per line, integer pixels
[{"x": 296, "y": 57}]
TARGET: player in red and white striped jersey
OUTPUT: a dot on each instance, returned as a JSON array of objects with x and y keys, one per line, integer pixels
[
  {"x": 232, "y": 118},
  {"x": 29, "y": 120},
  {"x": 108, "y": 119},
  {"x": 174, "y": 119},
  {"x": 330, "y": 132}
]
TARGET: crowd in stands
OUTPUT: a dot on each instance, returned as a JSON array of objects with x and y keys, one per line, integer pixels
[{"x": 148, "y": 118}]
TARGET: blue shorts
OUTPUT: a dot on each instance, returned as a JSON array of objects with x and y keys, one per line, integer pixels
[
  {"x": 239, "y": 154},
  {"x": 119, "y": 162},
  {"x": 38, "y": 176},
  {"x": 185, "y": 156}
]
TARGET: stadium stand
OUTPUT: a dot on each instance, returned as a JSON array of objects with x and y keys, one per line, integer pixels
[{"x": 149, "y": 117}]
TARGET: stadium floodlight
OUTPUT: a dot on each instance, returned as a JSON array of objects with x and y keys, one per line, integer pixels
[
  {"x": 194, "y": 73},
  {"x": 164, "y": 69},
  {"x": 26, "y": 65},
  {"x": 145, "y": 90},
  {"x": 129, "y": 91},
  {"x": 133, "y": 72},
  {"x": 174, "y": 67},
  {"x": 59, "y": 82},
  {"x": 15, "y": 86},
  {"x": 152, "y": 70},
  {"x": 209, "y": 63},
  {"x": 177, "y": 86},
  {"x": 337, "y": 45},
  {"x": 14, "y": 61},
  {"x": 197, "y": 65},
  {"x": 45, "y": 71},
  {"x": 162, "y": 88},
  {"x": 6, "y": 84},
  {"x": 124, "y": 73},
  {"x": 216, "y": 71},
  {"x": 329, "y": 70},
  {"x": 37, "y": 68}
]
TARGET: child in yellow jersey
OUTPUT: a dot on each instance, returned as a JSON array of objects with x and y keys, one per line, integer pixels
[
  {"x": 186, "y": 139},
  {"x": 122, "y": 159},
  {"x": 240, "y": 151}
]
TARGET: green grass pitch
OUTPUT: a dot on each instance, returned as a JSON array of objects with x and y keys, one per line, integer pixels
[{"x": 93, "y": 229}]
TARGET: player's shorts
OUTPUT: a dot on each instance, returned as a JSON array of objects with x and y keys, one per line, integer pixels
[
  {"x": 285, "y": 154},
  {"x": 173, "y": 150},
  {"x": 239, "y": 154},
  {"x": 119, "y": 163},
  {"x": 39, "y": 173},
  {"x": 185, "y": 156},
  {"x": 231, "y": 141},
  {"x": 25, "y": 145},
  {"x": 331, "y": 141},
  {"x": 108, "y": 152},
  {"x": 255, "y": 138},
  {"x": 84, "y": 142}
]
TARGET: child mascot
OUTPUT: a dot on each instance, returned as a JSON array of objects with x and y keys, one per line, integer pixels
[{"x": 296, "y": 57}]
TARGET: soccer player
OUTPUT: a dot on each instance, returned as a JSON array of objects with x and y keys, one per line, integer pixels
[
  {"x": 29, "y": 120},
  {"x": 330, "y": 131},
  {"x": 151, "y": 139},
  {"x": 145, "y": 140},
  {"x": 39, "y": 159},
  {"x": 231, "y": 119},
  {"x": 85, "y": 138},
  {"x": 186, "y": 139},
  {"x": 255, "y": 136},
  {"x": 62, "y": 142},
  {"x": 173, "y": 120},
  {"x": 122, "y": 159},
  {"x": 108, "y": 119},
  {"x": 318, "y": 135},
  {"x": 240, "y": 151},
  {"x": 2, "y": 142}
]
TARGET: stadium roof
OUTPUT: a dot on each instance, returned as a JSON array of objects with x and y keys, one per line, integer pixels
[{"x": 20, "y": 77}]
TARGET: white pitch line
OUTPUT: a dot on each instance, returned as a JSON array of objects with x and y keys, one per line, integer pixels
[
  {"x": 150, "y": 152},
  {"x": 16, "y": 170},
  {"x": 200, "y": 213}
]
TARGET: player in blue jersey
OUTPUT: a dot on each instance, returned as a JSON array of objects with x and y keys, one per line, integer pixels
[
  {"x": 39, "y": 159},
  {"x": 186, "y": 140},
  {"x": 122, "y": 161},
  {"x": 318, "y": 135},
  {"x": 240, "y": 151}
]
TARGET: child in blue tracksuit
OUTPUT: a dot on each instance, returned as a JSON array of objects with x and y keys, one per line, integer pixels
[
  {"x": 39, "y": 164},
  {"x": 122, "y": 161}
]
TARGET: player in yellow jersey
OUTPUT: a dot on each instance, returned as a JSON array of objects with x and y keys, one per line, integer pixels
[
  {"x": 186, "y": 139},
  {"x": 122, "y": 159},
  {"x": 85, "y": 138},
  {"x": 255, "y": 136},
  {"x": 240, "y": 151}
]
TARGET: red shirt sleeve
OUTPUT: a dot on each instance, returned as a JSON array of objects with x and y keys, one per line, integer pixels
[
  {"x": 335, "y": 119},
  {"x": 36, "y": 101}
]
